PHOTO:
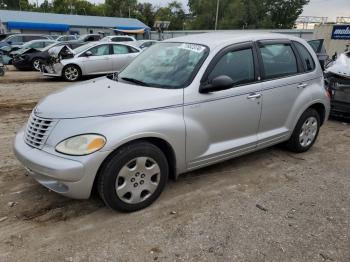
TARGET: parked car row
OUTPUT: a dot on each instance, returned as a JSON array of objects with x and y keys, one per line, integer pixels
[
  {"x": 90, "y": 59},
  {"x": 70, "y": 57}
]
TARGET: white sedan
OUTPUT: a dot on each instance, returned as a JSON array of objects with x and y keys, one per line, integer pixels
[{"x": 96, "y": 58}]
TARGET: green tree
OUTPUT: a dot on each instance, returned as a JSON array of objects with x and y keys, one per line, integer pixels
[
  {"x": 16, "y": 4},
  {"x": 174, "y": 13},
  {"x": 145, "y": 12},
  {"x": 120, "y": 8},
  {"x": 246, "y": 13}
]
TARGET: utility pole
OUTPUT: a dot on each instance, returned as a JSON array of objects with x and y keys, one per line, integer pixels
[{"x": 217, "y": 14}]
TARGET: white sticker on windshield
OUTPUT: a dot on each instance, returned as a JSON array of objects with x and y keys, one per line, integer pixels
[{"x": 192, "y": 47}]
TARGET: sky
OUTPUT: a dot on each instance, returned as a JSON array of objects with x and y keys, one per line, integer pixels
[{"x": 330, "y": 8}]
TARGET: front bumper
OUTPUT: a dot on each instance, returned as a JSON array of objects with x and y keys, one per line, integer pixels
[
  {"x": 21, "y": 64},
  {"x": 54, "y": 70},
  {"x": 65, "y": 176}
]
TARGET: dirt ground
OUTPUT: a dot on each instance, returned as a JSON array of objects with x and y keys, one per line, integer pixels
[{"x": 267, "y": 206}]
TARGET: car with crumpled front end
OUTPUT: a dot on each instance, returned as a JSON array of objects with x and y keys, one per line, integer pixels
[{"x": 95, "y": 58}]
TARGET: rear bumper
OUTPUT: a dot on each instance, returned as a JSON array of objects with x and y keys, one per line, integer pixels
[
  {"x": 340, "y": 108},
  {"x": 65, "y": 176}
]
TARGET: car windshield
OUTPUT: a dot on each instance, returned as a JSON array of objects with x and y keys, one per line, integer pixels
[
  {"x": 105, "y": 39},
  {"x": 49, "y": 46},
  {"x": 84, "y": 47},
  {"x": 166, "y": 65}
]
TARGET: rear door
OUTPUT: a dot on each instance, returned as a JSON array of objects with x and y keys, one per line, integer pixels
[
  {"x": 122, "y": 55},
  {"x": 99, "y": 62},
  {"x": 283, "y": 84}
]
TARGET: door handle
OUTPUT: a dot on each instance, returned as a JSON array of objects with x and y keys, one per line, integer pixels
[
  {"x": 302, "y": 85},
  {"x": 254, "y": 96}
]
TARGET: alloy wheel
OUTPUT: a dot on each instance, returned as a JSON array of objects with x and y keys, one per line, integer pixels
[
  {"x": 71, "y": 73},
  {"x": 36, "y": 64},
  {"x": 308, "y": 131}
]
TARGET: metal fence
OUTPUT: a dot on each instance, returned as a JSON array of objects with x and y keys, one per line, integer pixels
[{"x": 306, "y": 34}]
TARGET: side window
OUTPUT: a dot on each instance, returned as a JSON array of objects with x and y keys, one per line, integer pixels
[
  {"x": 48, "y": 43},
  {"x": 132, "y": 50},
  {"x": 100, "y": 50},
  {"x": 16, "y": 39},
  {"x": 37, "y": 45},
  {"x": 308, "y": 61},
  {"x": 89, "y": 38},
  {"x": 120, "y": 49},
  {"x": 33, "y": 37},
  {"x": 238, "y": 64},
  {"x": 279, "y": 60}
]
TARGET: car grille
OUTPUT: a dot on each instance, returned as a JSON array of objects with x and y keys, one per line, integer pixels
[{"x": 38, "y": 129}]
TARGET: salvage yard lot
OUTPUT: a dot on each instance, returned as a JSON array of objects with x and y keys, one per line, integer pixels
[{"x": 271, "y": 205}]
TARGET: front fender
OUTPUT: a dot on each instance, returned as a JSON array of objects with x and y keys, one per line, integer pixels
[{"x": 165, "y": 124}]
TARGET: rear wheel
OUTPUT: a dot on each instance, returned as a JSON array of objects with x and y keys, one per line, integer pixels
[
  {"x": 71, "y": 73},
  {"x": 134, "y": 177},
  {"x": 305, "y": 132}
]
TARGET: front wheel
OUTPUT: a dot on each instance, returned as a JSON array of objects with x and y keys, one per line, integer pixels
[
  {"x": 134, "y": 177},
  {"x": 36, "y": 64},
  {"x": 71, "y": 73},
  {"x": 305, "y": 132}
]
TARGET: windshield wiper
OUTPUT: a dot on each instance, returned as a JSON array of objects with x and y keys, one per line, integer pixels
[{"x": 135, "y": 81}]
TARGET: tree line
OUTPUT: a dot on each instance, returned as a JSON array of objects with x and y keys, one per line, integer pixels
[{"x": 233, "y": 14}]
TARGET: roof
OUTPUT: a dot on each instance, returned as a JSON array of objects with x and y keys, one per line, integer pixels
[
  {"x": 72, "y": 20},
  {"x": 212, "y": 40}
]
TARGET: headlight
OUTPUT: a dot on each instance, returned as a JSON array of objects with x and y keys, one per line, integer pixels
[{"x": 81, "y": 145}]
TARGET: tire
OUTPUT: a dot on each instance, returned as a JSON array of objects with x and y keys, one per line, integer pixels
[
  {"x": 305, "y": 132},
  {"x": 124, "y": 183},
  {"x": 71, "y": 73},
  {"x": 36, "y": 64}
]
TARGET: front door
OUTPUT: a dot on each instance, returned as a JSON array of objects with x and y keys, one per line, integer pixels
[
  {"x": 98, "y": 62},
  {"x": 223, "y": 124}
]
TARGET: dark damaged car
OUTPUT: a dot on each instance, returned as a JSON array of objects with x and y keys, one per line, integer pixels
[
  {"x": 337, "y": 77},
  {"x": 33, "y": 59}
]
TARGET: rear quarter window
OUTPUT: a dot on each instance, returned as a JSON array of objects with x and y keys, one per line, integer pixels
[{"x": 306, "y": 57}]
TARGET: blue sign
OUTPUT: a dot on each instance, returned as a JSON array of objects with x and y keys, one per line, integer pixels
[{"x": 341, "y": 32}]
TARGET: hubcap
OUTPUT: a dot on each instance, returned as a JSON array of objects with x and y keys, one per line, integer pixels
[
  {"x": 137, "y": 180},
  {"x": 308, "y": 132},
  {"x": 71, "y": 73},
  {"x": 36, "y": 65}
]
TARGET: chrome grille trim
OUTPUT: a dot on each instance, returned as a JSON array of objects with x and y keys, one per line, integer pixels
[{"x": 38, "y": 130}]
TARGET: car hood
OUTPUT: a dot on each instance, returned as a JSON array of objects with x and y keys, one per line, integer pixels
[
  {"x": 24, "y": 51},
  {"x": 103, "y": 96},
  {"x": 58, "y": 51}
]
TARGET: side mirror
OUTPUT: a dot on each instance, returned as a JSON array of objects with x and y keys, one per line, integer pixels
[
  {"x": 219, "y": 83},
  {"x": 9, "y": 42},
  {"x": 88, "y": 53}
]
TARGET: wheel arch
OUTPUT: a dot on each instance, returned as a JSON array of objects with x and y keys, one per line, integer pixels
[
  {"x": 321, "y": 110},
  {"x": 161, "y": 143}
]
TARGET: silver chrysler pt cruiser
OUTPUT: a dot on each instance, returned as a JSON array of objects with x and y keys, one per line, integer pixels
[{"x": 182, "y": 104}]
